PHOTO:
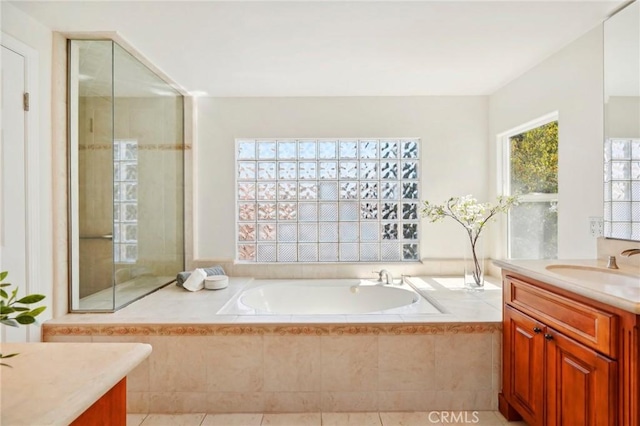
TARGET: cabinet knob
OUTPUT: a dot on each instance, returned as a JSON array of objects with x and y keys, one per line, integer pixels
[
  {"x": 537, "y": 330},
  {"x": 548, "y": 336}
]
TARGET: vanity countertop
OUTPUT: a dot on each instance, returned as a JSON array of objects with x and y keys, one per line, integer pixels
[
  {"x": 625, "y": 297},
  {"x": 53, "y": 383}
]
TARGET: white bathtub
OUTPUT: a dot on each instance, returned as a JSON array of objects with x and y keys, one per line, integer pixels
[{"x": 326, "y": 297}]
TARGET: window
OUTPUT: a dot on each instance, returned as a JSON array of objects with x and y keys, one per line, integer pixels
[
  {"x": 531, "y": 172},
  {"x": 125, "y": 201},
  {"x": 622, "y": 188},
  {"x": 327, "y": 200}
]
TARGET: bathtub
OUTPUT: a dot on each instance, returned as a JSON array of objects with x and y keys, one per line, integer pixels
[{"x": 328, "y": 297}]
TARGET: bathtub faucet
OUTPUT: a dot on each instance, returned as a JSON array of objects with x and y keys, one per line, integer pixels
[{"x": 385, "y": 273}]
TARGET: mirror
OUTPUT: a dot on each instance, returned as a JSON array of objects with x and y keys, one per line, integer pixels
[{"x": 622, "y": 124}]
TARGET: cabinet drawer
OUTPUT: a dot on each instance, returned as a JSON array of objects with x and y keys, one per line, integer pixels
[{"x": 590, "y": 326}]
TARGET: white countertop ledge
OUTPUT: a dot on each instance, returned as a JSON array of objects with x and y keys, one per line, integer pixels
[
  {"x": 623, "y": 297},
  {"x": 53, "y": 383}
]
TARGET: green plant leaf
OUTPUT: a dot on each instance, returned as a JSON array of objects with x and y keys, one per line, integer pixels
[
  {"x": 5, "y": 365},
  {"x": 9, "y": 356},
  {"x": 6, "y": 310},
  {"x": 20, "y": 308},
  {"x": 5, "y": 284},
  {"x": 25, "y": 319},
  {"x": 14, "y": 293},
  {"x": 9, "y": 322},
  {"x": 32, "y": 298},
  {"x": 37, "y": 311},
  {"x": 3, "y": 294},
  {"x": 3, "y": 275}
]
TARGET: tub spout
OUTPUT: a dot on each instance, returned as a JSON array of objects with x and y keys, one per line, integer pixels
[{"x": 388, "y": 277}]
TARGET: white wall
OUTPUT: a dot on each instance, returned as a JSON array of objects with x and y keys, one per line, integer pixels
[
  {"x": 570, "y": 82},
  {"x": 30, "y": 32},
  {"x": 454, "y": 152}
]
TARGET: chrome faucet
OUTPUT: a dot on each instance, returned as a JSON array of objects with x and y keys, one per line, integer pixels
[
  {"x": 386, "y": 274},
  {"x": 630, "y": 252}
]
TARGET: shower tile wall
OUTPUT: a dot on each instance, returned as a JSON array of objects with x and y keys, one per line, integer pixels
[{"x": 156, "y": 124}]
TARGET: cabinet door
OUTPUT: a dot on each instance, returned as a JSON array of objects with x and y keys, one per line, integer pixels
[
  {"x": 523, "y": 368},
  {"x": 580, "y": 384}
]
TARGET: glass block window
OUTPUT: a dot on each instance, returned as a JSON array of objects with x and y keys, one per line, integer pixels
[
  {"x": 327, "y": 200},
  {"x": 622, "y": 188},
  {"x": 125, "y": 201}
]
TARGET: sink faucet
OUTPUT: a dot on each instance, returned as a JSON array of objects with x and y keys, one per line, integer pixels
[
  {"x": 630, "y": 252},
  {"x": 387, "y": 275}
]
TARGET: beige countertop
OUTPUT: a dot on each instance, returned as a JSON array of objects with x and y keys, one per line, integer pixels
[
  {"x": 53, "y": 383},
  {"x": 625, "y": 297}
]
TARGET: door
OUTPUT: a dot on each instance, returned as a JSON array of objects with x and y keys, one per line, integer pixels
[
  {"x": 581, "y": 384},
  {"x": 524, "y": 364},
  {"x": 13, "y": 188}
]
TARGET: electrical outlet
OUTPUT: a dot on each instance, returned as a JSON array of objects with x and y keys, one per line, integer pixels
[{"x": 596, "y": 226}]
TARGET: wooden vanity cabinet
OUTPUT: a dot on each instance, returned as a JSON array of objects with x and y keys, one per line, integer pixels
[{"x": 567, "y": 360}]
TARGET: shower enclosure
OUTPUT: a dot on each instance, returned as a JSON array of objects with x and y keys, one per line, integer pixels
[{"x": 126, "y": 180}]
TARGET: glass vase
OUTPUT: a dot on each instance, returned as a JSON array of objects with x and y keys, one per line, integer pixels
[{"x": 474, "y": 264}]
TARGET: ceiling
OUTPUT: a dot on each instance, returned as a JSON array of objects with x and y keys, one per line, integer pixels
[{"x": 335, "y": 48}]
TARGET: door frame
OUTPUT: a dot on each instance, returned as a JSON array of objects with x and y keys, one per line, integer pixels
[{"x": 36, "y": 283}]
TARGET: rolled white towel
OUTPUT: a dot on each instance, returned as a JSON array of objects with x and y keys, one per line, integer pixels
[{"x": 195, "y": 281}]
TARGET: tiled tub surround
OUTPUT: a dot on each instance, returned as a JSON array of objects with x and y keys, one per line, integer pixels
[{"x": 204, "y": 362}]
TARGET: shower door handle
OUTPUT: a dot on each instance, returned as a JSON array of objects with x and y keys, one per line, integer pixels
[{"x": 97, "y": 237}]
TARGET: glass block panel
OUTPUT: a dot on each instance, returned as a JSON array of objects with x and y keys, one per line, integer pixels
[
  {"x": 635, "y": 190},
  {"x": 116, "y": 233},
  {"x": 328, "y": 190},
  {"x": 129, "y": 232},
  {"x": 635, "y": 149},
  {"x": 287, "y": 232},
  {"x": 369, "y": 190},
  {"x": 308, "y": 232},
  {"x": 116, "y": 212},
  {"x": 246, "y": 232},
  {"x": 348, "y": 190},
  {"x": 621, "y": 230},
  {"x": 409, "y": 170},
  {"x": 307, "y": 150},
  {"x": 130, "y": 192},
  {"x": 308, "y": 212},
  {"x": 389, "y": 190},
  {"x": 349, "y": 252},
  {"x": 368, "y": 211},
  {"x": 621, "y": 211},
  {"x": 620, "y": 170},
  {"x": 389, "y": 211},
  {"x": 328, "y": 212},
  {"x": 116, "y": 171},
  {"x": 129, "y": 171},
  {"x": 247, "y": 252},
  {"x": 389, "y": 231},
  {"x": 246, "y": 150},
  {"x": 266, "y": 191},
  {"x": 410, "y": 231},
  {"x": 308, "y": 191},
  {"x": 410, "y": 252},
  {"x": 635, "y": 170},
  {"x": 287, "y": 191},
  {"x": 246, "y": 191},
  {"x": 328, "y": 170},
  {"x": 369, "y": 231},
  {"x": 286, "y": 150},
  {"x": 287, "y": 211},
  {"x": 348, "y": 149},
  {"x": 348, "y": 211},
  {"x": 621, "y": 191},
  {"x": 128, "y": 253},
  {"x": 635, "y": 231},
  {"x": 117, "y": 191},
  {"x": 607, "y": 211},
  {"x": 328, "y": 252},
  {"x": 607, "y": 171},
  {"x": 410, "y": 149},
  {"x": 348, "y": 231},
  {"x": 266, "y": 252},
  {"x": 607, "y": 191},
  {"x": 267, "y": 232},
  {"x": 328, "y": 232},
  {"x": 246, "y": 212},
  {"x": 266, "y": 170},
  {"x": 635, "y": 211},
  {"x": 368, "y": 149},
  {"x": 391, "y": 251},
  {"x": 307, "y": 252},
  {"x": 129, "y": 212},
  {"x": 369, "y": 253},
  {"x": 267, "y": 211},
  {"x": 389, "y": 170},
  {"x": 327, "y": 150},
  {"x": 246, "y": 170},
  {"x": 129, "y": 152},
  {"x": 410, "y": 190},
  {"x": 368, "y": 170},
  {"x": 409, "y": 211},
  {"x": 389, "y": 149},
  {"x": 266, "y": 150},
  {"x": 286, "y": 170},
  {"x": 620, "y": 149},
  {"x": 307, "y": 170},
  {"x": 607, "y": 150},
  {"x": 348, "y": 170}
]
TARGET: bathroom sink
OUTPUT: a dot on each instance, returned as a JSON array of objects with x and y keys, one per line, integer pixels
[{"x": 595, "y": 274}]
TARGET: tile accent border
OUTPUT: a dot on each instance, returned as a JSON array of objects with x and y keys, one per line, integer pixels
[{"x": 268, "y": 329}]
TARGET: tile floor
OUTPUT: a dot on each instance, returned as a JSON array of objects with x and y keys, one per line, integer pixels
[{"x": 435, "y": 418}]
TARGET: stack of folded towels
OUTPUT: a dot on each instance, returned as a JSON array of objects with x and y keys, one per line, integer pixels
[{"x": 194, "y": 281}]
